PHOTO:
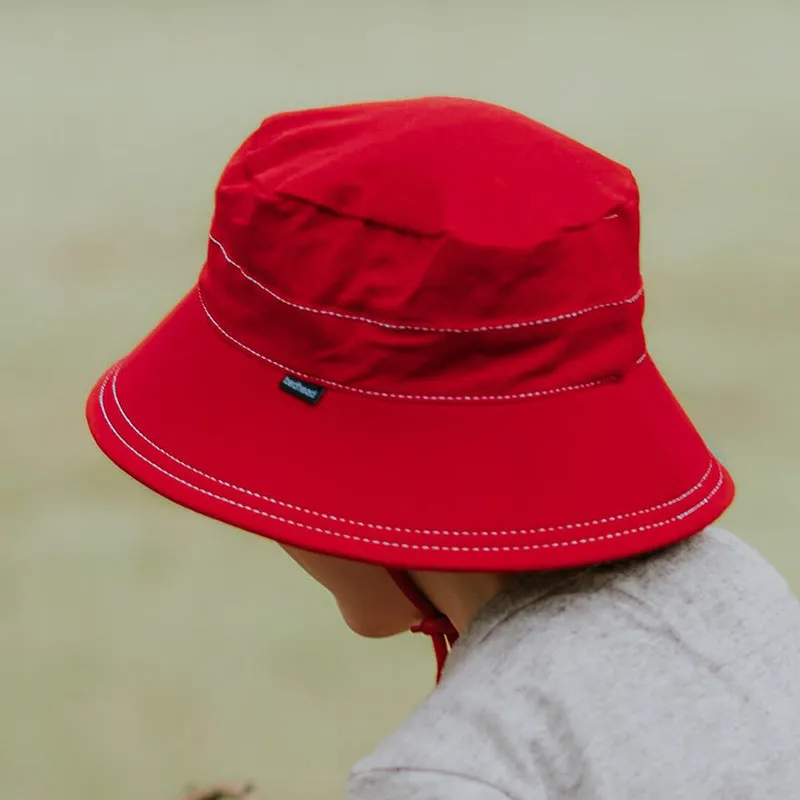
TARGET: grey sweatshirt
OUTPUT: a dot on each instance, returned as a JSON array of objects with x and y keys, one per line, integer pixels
[{"x": 675, "y": 676}]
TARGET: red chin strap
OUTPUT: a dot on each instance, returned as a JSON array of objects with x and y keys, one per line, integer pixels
[{"x": 434, "y": 624}]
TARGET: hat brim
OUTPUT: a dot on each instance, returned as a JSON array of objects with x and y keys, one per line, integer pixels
[{"x": 550, "y": 482}]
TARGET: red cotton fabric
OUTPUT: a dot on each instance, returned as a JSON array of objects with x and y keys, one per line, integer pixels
[{"x": 464, "y": 284}]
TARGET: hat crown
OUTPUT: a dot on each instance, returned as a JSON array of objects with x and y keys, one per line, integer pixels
[{"x": 366, "y": 242}]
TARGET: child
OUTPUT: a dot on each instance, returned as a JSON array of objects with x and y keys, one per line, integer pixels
[{"x": 415, "y": 359}]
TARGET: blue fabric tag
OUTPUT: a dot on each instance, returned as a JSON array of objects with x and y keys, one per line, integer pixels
[{"x": 302, "y": 390}]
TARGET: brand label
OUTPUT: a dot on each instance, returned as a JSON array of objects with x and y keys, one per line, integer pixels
[{"x": 302, "y": 390}]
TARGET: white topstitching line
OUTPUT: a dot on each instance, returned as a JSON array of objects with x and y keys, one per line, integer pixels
[
  {"x": 425, "y": 328},
  {"x": 398, "y": 395},
  {"x": 388, "y": 528},
  {"x": 404, "y": 545}
]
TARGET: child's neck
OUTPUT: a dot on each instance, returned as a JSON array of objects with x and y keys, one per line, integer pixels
[{"x": 460, "y": 595}]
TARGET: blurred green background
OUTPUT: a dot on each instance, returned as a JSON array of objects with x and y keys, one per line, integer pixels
[{"x": 143, "y": 646}]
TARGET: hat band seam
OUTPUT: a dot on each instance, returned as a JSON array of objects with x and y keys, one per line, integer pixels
[
  {"x": 388, "y": 528},
  {"x": 425, "y": 328},
  {"x": 556, "y": 390}
]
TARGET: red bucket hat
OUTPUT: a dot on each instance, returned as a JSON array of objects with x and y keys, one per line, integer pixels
[{"x": 417, "y": 342}]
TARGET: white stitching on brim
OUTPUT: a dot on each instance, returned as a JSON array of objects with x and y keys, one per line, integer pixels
[
  {"x": 405, "y": 545},
  {"x": 393, "y": 529},
  {"x": 397, "y": 395},
  {"x": 425, "y": 328}
]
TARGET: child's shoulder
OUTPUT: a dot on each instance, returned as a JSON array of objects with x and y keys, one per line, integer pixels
[{"x": 656, "y": 661}]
